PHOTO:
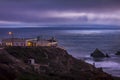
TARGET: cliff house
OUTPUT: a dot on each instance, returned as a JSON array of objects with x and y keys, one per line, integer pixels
[{"x": 28, "y": 42}]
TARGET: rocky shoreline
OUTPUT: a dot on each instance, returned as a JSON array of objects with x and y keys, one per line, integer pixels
[
  {"x": 117, "y": 53},
  {"x": 47, "y": 63},
  {"x": 99, "y": 54}
]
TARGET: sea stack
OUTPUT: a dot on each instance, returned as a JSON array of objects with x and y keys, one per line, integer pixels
[
  {"x": 98, "y": 54},
  {"x": 118, "y": 53}
]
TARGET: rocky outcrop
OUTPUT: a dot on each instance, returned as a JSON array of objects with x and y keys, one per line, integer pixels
[
  {"x": 98, "y": 54},
  {"x": 106, "y": 55},
  {"x": 118, "y": 53},
  {"x": 55, "y": 63}
]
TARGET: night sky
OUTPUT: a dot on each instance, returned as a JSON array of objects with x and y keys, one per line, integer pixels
[{"x": 36, "y": 12}]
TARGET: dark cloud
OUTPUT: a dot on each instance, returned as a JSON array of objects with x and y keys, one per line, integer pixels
[
  {"x": 59, "y": 4},
  {"x": 26, "y": 10}
]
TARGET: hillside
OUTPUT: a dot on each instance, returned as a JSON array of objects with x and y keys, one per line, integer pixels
[{"x": 51, "y": 63}]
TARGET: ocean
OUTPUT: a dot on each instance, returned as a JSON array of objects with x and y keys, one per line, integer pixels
[{"x": 79, "y": 42}]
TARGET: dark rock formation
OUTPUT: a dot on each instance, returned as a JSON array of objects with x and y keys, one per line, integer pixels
[
  {"x": 118, "y": 53},
  {"x": 98, "y": 54},
  {"x": 106, "y": 55},
  {"x": 58, "y": 65}
]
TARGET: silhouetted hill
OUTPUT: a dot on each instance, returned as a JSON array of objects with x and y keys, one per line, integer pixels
[{"x": 54, "y": 64}]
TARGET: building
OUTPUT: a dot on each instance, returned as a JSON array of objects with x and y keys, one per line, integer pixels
[
  {"x": 13, "y": 42},
  {"x": 28, "y": 42},
  {"x": 41, "y": 42},
  {"x": 38, "y": 67}
]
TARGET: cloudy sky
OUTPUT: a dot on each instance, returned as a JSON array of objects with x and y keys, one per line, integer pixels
[{"x": 33, "y": 12}]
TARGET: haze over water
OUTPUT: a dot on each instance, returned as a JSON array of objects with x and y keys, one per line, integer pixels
[{"x": 79, "y": 42}]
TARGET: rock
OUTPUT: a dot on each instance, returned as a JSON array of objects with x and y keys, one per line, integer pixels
[
  {"x": 98, "y": 54},
  {"x": 118, "y": 53},
  {"x": 106, "y": 55}
]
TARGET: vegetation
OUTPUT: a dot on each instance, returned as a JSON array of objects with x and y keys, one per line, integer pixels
[{"x": 61, "y": 65}]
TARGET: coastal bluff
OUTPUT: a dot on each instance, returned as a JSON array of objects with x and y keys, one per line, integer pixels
[{"x": 45, "y": 63}]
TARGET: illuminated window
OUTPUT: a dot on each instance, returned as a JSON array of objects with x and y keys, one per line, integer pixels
[
  {"x": 9, "y": 44},
  {"x": 29, "y": 43}
]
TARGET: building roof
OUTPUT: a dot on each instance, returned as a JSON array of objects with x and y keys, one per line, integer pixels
[
  {"x": 14, "y": 39},
  {"x": 27, "y": 39}
]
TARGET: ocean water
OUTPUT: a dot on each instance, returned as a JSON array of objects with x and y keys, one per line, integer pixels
[{"x": 79, "y": 42}]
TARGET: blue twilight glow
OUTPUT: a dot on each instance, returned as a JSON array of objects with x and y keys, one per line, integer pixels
[{"x": 36, "y": 12}]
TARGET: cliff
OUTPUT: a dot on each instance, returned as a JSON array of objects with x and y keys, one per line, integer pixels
[{"x": 51, "y": 63}]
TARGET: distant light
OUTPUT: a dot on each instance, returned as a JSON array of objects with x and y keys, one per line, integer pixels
[{"x": 10, "y": 33}]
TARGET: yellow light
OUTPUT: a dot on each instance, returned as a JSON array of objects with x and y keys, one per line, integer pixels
[
  {"x": 9, "y": 44},
  {"x": 29, "y": 44},
  {"x": 10, "y": 33}
]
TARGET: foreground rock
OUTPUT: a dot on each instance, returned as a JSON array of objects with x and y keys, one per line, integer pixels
[{"x": 51, "y": 63}]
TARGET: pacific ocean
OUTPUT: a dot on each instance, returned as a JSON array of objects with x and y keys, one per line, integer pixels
[{"x": 79, "y": 42}]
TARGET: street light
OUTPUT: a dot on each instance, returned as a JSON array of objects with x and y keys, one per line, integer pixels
[
  {"x": 10, "y": 33},
  {"x": 12, "y": 38}
]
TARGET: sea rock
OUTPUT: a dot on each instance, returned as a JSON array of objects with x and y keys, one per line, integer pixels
[
  {"x": 98, "y": 54},
  {"x": 118, "y": 53},
  {"x": 106, "y": 55}
]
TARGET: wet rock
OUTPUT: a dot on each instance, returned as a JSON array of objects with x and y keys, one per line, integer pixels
[
  {"x": 106, "y": 55},
  {"x": 118, "y": 53},
  {"x": 98, "y": 54}
]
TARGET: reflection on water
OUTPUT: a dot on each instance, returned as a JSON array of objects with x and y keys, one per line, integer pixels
[{"x": 90, "y": 31}]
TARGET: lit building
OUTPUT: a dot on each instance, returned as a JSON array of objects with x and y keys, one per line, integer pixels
[
  {"x": 13, "y": 42},
  {"x": 42, "y": 42},
  {"x": 28, "y": 42}
]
